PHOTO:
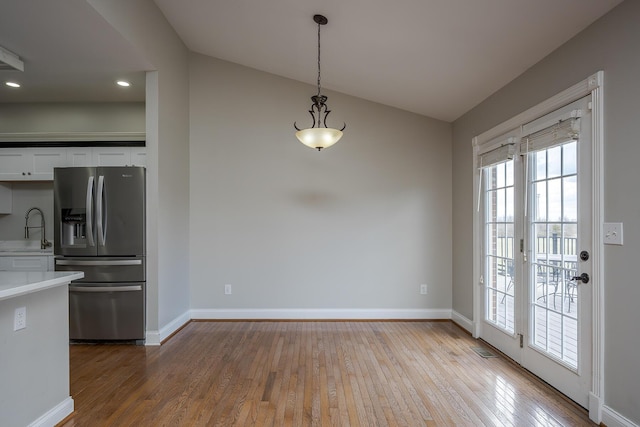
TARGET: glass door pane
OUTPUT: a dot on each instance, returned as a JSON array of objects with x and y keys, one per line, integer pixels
[
  {"x": 499, "y": 246},
  {"x": 554, "y": 307}
]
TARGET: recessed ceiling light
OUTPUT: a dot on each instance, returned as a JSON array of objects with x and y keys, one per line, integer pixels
[
  {"x": 12, "y": 84},
  {"x": 123, "y": 83}
]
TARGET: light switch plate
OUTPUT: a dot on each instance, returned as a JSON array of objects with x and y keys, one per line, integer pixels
[{"x": 613, "y": 233}]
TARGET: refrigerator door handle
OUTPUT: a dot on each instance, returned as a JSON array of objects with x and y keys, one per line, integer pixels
[
  {"x": 133, "y": 288},
  {"x": 99, "y": 262},
  {"x": 100, "y": 215},
  {"x": 89, "y": 211}
]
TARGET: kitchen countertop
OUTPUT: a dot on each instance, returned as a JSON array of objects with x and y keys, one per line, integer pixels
[{"x": 16, "y": 283}]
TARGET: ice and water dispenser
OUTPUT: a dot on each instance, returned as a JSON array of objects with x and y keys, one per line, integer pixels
[{"x": 73, "y": 227}]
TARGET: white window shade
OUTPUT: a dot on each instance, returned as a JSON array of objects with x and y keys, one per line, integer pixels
[
  {"x": 492, "y": 157},
  {"x": 497, "y": 155},
  {"x": 559, "y": 133}
]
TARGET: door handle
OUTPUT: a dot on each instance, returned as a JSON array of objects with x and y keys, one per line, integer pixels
[
  {"x": 584, "y": 278},
  {"x": 100, "y": 217},
  {"x": 105, "y": 288},
  {"x": 96, "y": 263},
  {"x": 89, "y": 211}
]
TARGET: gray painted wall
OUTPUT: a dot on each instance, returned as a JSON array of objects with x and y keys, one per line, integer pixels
[
  {"x": 359, "y": 225},
  {"x": 34, "y": 361},
  {"x": 26, "y": 195},
  {"x": 72, "y": 117},
  {"x": 610, "y": 44}
]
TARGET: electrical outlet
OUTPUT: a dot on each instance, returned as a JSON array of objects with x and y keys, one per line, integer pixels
[
  {"x": 423, "y": 289},
  {"x": 227, "y": 289},
  {"x": 20, "y": 318}
]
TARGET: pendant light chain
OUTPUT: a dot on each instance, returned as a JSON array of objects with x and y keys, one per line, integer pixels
[{"x": 318, "y": 59}]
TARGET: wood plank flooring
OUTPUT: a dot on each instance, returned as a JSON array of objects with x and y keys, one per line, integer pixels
[{"x": 310, "y": 374}]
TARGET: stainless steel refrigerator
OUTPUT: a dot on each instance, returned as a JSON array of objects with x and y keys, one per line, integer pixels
[{"x": 99, "y": 215}]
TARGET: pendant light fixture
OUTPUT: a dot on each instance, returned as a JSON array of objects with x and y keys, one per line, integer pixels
[{"x": 319, "y": 136}]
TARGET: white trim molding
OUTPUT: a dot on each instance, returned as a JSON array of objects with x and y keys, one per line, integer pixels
[
  {"x": 152, "y": 338},
  {"x": 597, "y": 248},
  {"x": 575, "y": 92},
  {"x": 611, "y": 418},
  {"x": 56, "y": 414},
  {"x": 10, "y": 61},
  {"x": 72, "y": 137},
  {"x": 593, "y": 85},
  {"x": 462, "y": 321},
  {"x": 156, "y": 337},
  {"x": 320, "y": 314}
]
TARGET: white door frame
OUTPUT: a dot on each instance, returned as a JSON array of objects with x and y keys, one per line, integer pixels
[{"x": 592, "y": 85}]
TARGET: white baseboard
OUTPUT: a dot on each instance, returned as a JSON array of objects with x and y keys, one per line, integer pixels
[
  {"x": 156, "y": 337},
  {"x": 595, "y": 408},
  {"x": 462, "y": 321},
  {"x": 152, "y": 338},
  {"x": 54, "y": 415},
  {"x": 319, "y": 314},
  {"x": 612, "y": 418}
]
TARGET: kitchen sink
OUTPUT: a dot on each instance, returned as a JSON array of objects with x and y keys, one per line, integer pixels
[{"x": 22, "y": 246}]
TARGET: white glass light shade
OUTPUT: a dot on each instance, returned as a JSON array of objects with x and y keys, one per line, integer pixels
[{"x": 319, "y": 138}]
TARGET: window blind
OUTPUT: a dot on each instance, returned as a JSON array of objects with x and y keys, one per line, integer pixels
[
  {"x": 497, "y": 155},
  {"x": 559, "y": 133},
  {"x": 493, "y": 157}
]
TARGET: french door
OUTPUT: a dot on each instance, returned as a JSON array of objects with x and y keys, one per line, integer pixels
[{"x": 536, "y": 217}]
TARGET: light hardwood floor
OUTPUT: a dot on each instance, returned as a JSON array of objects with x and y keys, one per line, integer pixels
[{"x": 310, "y": 373}]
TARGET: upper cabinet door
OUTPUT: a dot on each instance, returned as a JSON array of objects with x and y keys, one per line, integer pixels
[
  {"x": 13, "y": 164},
  {"x": 111, "y": 156},
  {"x": 81, "y": 156},
  {"x": 139, "y": 156},
  {"x": 25, "y": 164},
  {"x": 43, "y": 160}
]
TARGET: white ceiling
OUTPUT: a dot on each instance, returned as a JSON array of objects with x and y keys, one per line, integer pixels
[
  {"x": 69, "y": 52},
  {"x": 438, "y": 58}
]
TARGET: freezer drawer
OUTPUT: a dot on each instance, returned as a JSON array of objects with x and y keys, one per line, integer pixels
[
  {"x": 98, "y": 311},
  {"x": 104, "y": 269}
]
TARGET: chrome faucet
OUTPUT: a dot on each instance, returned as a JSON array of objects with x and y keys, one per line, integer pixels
[{"x": 44, "y": 243}]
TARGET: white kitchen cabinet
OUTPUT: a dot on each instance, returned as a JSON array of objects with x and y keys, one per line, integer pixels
[
  {"x": 119, "y": 156},
  {"x": 43, "y": 160},
  {"x": 13, "y": 164},
  {"x": 81, "y": 156},
  {"x": 30, "y": 164},
  {"x": 138, "y": 156},
  {"x": 107, "y": 156},
  {"x": 36, "y": 164},
  {"x": 111, "y": 156},
  {"x": 26, "y": 263},
  {"x": 6, "y": 198}
]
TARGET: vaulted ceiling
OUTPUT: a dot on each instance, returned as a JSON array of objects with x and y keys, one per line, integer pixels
[{"x": 438, "y": 58}]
